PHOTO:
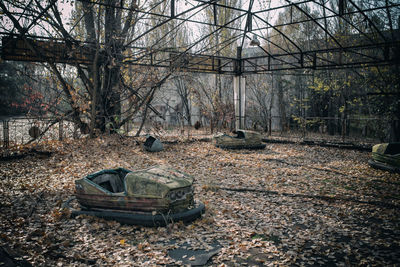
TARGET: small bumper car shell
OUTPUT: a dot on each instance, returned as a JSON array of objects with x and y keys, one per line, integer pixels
[
  {"x": 243, "y": 140},
  {"x": 386, "y": 157},
  {"x": 150, "y": 197}
]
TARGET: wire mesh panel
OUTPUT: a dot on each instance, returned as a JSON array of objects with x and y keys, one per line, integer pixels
[
  {"x": 23, "y": 130},
  {"x": 352, "y": 129}
]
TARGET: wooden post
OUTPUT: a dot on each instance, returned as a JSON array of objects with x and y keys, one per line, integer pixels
[
  {"x": 60, "y": 130},
  {"x": 270, "y": 125},
  {"x": 108, "y": 125},
  {"x": 344, "y": 130},
  {"x": 126, "y": 126},
  {"x": 6, "y": 135}
]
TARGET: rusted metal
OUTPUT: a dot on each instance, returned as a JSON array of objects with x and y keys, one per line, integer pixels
[
  {"x": 159, "y": 188},
  {"x": 243, "y": 140},
  {"x": 388, "y": 155},
  {"x": 18, "y": 49},
  {"x": 129, "y": 203},
  {"x": 250, "y": 19}
]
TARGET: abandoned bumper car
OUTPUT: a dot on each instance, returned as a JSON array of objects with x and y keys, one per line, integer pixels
[
  {"x": 151, "y": 197},
  {"x": 386, "y": 157},
  {"x": 243, "y": 140}
]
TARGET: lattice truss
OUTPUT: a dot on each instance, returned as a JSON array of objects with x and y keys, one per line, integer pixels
[{"x": 228, "y": 37}]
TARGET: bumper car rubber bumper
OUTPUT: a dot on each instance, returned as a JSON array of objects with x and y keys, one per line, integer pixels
[
  {"x": 140, "y": 218},
  {"x": 383, "y": 166}
]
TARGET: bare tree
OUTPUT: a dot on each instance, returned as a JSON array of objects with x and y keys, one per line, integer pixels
[{"x": 97, "y": 37}]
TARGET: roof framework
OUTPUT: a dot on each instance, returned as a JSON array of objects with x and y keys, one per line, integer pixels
[{"x": 289, "y": 35}]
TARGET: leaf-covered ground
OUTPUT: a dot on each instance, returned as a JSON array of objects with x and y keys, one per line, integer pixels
[{"x": 284, "y": 205}]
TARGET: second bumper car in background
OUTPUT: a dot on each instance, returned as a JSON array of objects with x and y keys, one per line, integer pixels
[
  {"x": 243, "y": 140},
  {"x": 386, "y": 157}
]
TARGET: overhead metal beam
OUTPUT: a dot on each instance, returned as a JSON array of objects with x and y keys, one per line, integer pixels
[
  {"x": 246, "y": 26},
  {"x": 342, "y": 7},
  {"x": 289, "y": 55},
  {"x": 317, "y": 23},
  {"x": 368, "y": 19}
]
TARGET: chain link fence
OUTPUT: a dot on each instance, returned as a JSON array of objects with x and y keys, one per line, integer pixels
[
  {"x": 347, "y": 129},
  {"x": 23, "y": 130}
]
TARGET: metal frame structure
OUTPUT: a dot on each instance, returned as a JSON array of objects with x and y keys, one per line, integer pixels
[
  {"x": 354, "y": 47},
  {"x": 223, "y": 46}
]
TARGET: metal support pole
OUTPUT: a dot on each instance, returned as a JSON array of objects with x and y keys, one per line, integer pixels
[
  {"x": 243, "y": 102},
  {"x": 172, "y": 8},
  {"x": 215, "y": 14},
  {"x": 301, "y": 60},
  {"x": 239, "y": 91},
  {"x": 342, "y": 7},
  {"x": 236, "y": 101},
  {"x": 249, "y": 22},
  {"x": 239, "y": 98}
]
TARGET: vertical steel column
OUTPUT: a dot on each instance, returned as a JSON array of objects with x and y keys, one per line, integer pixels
[
  {"x": 239, "y": 99},
  {"x": 172, "y": 8},
  {"x": 239, "y": 92},
  {"x": 242, "y": 102},
  {"x": 236, "y": 101},
  {"x": 342, "y": 7}
]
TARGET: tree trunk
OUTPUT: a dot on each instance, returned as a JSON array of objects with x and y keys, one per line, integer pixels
[{"x": 281, "y": 103}]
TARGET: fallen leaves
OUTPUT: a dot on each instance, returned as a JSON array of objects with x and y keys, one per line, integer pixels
[{"x": 305, "y": 205}]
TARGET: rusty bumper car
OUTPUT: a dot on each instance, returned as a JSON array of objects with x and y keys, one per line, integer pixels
[
  {"x": 150, "y": 197},
  {"x": 243, "y": 140},
  {"x": 386, "y": 157}
]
